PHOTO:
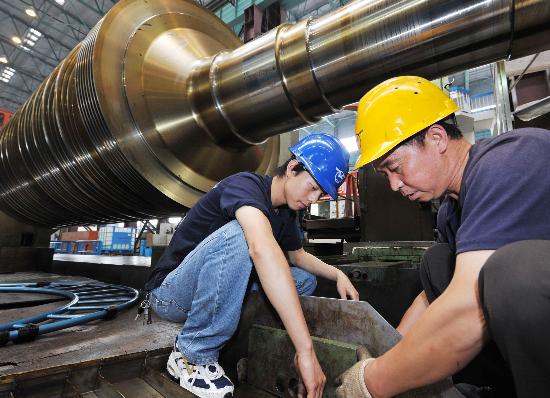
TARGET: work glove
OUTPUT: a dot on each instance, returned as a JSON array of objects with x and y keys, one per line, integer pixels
[{"x": 352, "y": 381}]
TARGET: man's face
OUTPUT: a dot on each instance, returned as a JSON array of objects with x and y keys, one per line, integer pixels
[
  {"x": 415, "y": 170},
  {"x": 301, "y": 190}
]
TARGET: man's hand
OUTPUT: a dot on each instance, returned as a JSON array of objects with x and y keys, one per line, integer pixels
[
  {"x": 345, "y": 287},
  {"x": 310, "y": 263},
  {"x": 352, "y": 381},
  {"x": 311, "y": 375}
]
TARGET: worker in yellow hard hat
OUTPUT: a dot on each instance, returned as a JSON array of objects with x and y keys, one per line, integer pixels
[{"x": 486, "y": 283}]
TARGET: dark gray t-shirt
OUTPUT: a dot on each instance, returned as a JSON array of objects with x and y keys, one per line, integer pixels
[
  {"x": 504, "y": 196},
  {"x": 217, "y": 208}
]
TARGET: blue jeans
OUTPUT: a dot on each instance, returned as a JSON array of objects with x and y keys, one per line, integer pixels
[{"x": 207, "y": 291}]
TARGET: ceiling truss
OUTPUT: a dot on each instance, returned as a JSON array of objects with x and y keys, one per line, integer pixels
[{"x": 61, "y": 25}]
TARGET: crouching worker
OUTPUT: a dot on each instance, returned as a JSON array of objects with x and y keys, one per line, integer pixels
[
  {"x": 487, "y": 283},
  {"x": 247, "y": 220}
]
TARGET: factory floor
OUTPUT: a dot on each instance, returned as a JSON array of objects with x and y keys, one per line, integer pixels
[
  {"x": 119, "y": 357},
  {"x": 122, "y": 357}
]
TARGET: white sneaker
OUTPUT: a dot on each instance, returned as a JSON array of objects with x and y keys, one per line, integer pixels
[{"x": 205, "y": 381}]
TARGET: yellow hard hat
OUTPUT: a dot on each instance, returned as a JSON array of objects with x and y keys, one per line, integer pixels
[{"x": 396, "y": 110}]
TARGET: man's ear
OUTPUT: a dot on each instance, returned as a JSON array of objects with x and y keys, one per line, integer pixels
[
  {"x": 437, "y": 135},
  {"x": 290, "y": 167}
]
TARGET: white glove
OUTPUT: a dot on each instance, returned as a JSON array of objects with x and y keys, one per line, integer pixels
[{"x": 352, "y": 381}]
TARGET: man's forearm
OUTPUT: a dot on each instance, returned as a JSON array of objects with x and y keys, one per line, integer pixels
[
  {"x": 445, "y": 338},
  {"x": 312, "y": 264},
  {"x": 415, "y": 311},
  {"x": 278, "y": 285}
]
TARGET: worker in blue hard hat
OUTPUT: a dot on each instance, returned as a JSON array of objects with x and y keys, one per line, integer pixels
[{"x": 247, "y": 221}]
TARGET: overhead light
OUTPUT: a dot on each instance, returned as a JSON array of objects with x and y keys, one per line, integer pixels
[
  {"x": 4, "y": 60},
  {"x": 60, "y": 2},
  {"x": 35, "y": 32},
  {"x": 16, "y": 39},
  {"x": 30, "y": 12},
  {"x": 30, "y": 39},
  {"x": 7, "y": 74}
]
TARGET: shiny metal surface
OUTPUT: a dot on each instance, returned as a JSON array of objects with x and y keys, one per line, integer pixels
[
  {"x": 503, "y": 114},
  {"x": 533, "y": 109},
  {"x": 300, "y": 72},
  {"x": 161, "y": 100}
]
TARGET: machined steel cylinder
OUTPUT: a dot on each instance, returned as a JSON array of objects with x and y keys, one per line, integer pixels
[{"x": 161, "y": 100}]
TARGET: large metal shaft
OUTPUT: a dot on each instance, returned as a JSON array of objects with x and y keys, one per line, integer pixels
[{"x": 161, "y": 100}]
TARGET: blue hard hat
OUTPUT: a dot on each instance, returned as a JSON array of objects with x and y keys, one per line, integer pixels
[{"x": 325, "y": 158}]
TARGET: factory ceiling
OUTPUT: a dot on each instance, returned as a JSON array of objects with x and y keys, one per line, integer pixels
[{"x": 35, "y": 35}]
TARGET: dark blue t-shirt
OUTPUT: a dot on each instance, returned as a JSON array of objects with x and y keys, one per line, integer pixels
[
  {"x": 504, "y": 196},
  {"x": 216, "y": 209}
]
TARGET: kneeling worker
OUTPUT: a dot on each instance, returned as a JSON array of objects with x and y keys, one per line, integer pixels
[
  {"x": 489, "y": 281},
  {"x": 247, "y": 220}
]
